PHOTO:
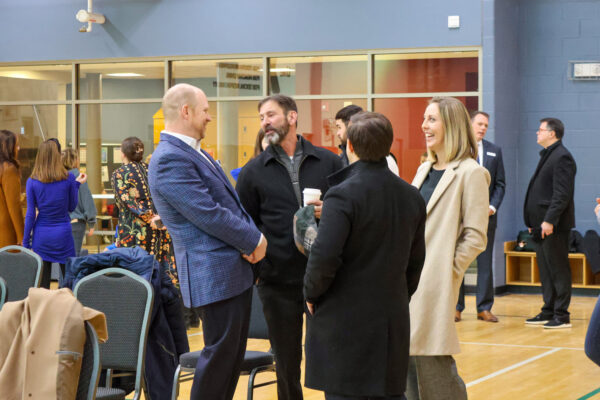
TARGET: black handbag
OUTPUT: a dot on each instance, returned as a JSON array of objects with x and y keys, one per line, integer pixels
[{"x": 526, "y": 241}]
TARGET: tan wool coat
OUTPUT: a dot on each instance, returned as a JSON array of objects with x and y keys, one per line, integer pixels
[
  {"x": 455, "y": 233},
  {"x": 41, "y": 342}
]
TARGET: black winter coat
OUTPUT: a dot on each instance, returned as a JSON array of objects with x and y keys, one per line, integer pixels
[
  {"x": 267, "y": 194},
  {"x": 363, "y": 268}
]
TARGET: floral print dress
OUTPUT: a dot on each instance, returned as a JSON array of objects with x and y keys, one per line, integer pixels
[{"x": 136, "y": 210}]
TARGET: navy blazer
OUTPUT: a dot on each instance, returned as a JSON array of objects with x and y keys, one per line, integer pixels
[
  {"x": 492, "y": 161},
  {"x": 209, "y": 227}
]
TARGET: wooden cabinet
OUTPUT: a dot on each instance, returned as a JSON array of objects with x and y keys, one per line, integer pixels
[{"x": 522, "y": 269}]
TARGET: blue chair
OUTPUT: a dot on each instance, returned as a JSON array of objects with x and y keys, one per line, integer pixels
[
  {"x": 90, "y": 366},
  {"x": 21, "y": 268},
  {"x": 254, "y": 361},
  {"x": 126, "y": 299},
  {"x": 3, "y": 290}
]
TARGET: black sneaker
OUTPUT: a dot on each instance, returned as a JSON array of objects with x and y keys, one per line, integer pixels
[
  {"x": 538, "y": 320},
  {"x": 556, "y": 324}
]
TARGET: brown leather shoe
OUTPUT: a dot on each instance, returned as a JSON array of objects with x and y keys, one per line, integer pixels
[
  {"x": 487, "y": 316},
  {"x": 457, "y": 316}
]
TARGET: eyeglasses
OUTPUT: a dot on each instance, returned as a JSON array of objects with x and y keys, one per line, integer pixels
[{"x": 547, "y": 130}]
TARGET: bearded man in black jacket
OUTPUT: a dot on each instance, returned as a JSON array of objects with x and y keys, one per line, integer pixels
[{"x": 270, "y": 187}]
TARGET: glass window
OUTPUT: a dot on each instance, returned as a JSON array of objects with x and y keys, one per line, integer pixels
[
  {"x": 426, "y": 72},
  {"x": 231, "y": 135},
  {"x": 316, "y": 120},
  {"x": 103, "y": 127},
  {"x": 406, "y": 116},
  {"x": 33, "y": 125},
  {"x": 223, "y": 78},
  {"x": 318, "y": 75},
  {"x": 121, "y": 81},
  {"x": 35, "y": 83}
]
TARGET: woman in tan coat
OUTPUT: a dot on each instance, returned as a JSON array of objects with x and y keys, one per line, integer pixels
[
  {"x": 455, "y": 189},
  {"x": 11, "y": 214}
]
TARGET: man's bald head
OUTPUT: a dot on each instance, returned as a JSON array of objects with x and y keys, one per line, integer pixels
[{"x": 176, "y": 97}]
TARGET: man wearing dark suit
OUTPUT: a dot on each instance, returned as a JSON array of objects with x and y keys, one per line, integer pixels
[
  {"x": 489, "y": 156},
  {"x": 358, "y": 286},
  {"x": 271, "y": 189},
  {"x": 213, "y": 237},
  {"x": 549, "y": 214}
]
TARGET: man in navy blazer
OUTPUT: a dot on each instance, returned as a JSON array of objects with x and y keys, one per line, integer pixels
[
  {"x": 214, "y": 239},
  {"x": 489, "y": 156}
]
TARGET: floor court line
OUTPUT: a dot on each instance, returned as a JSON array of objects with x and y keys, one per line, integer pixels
[
  {"x": 590, "y": 394},
  {"x": 528, "y": 346},
  {"x": 512, "y": 367}
]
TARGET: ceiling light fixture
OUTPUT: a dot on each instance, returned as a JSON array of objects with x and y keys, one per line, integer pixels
[{"x": 125, "y": 74}]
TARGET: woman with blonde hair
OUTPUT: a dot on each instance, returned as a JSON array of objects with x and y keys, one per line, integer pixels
[
  {"x": 52, "y": 192},
  {"x": 85, "y": 212},
  {"x": 11, "y": 216},
  {"x": 139, "y": 223},
  {"x": 455, "y": 189}
]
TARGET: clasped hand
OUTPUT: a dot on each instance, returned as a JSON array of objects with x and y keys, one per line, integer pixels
[{"x": 259, "y": 252}]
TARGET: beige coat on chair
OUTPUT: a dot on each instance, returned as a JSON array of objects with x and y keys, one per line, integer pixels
[{"x": 455, "y": 233}]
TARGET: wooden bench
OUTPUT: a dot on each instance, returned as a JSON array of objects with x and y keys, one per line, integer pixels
[{"x": 522, "y": 268}]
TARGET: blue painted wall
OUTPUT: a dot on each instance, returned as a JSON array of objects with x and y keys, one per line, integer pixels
[
  {"x": 48, "y": 30},
  {"x": 551, "y": 33}
]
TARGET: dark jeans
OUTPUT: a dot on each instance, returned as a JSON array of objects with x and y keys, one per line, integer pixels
[
  {"x": 485, "y": 277},
  {"x": 283, "y": 306},
  {"x": 555, "y": 275},
  {"x": 592, "y": 338},
  {"x": 78, "y": 229},
  {"x": 225, "y": 330},
  {"x": 47, "y": 271},
  {"x": 329, "y": 396}
]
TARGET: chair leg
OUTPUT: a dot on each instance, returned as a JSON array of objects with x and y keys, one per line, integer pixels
[
  {"x": 251, "y": 383},
  {"x": 175, "y": 390}
]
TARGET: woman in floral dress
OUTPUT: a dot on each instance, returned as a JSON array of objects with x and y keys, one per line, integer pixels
[{"x": 139, "y": 224}]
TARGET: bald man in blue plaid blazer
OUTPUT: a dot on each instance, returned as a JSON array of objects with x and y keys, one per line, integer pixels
[{"x": 214, "y": 239}]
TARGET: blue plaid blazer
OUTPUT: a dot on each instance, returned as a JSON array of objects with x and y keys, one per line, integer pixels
[{"x": 209, "y": 227}]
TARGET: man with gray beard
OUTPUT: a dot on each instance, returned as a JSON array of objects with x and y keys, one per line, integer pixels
[{"x": 270, "y": 187}]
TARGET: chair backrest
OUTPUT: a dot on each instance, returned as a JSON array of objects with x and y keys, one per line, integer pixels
[
  {"x": 258, "y": 325},
  {"x": 21, "y": 269},
  {"x": 3, "y": 290},
  {"x": 126, "y": 300},
  {"x": 90, "y": 366}
]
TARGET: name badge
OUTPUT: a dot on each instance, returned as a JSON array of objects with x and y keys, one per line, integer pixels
[{"x": 491, "y": 154}]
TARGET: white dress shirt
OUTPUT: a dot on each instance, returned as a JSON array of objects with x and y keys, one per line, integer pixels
[{"x": 190, "y": 141}]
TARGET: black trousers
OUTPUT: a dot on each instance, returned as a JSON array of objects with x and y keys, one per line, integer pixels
[
  {"x": 555, "y": 275},
  {"x": 329, "y": 396},
  {"x": 47, "y": 272},
  {"x": 225, "y": 330},
  {"x": 485, "y": 277},
  {"x": 283, "y": 306}
]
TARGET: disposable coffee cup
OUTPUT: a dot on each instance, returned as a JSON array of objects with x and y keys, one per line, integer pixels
[{"x": 311, "y": 195}]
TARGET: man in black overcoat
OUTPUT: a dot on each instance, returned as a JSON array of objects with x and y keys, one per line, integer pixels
[
  {"x": 362, "y": 270},
  {"x": 549, "y": 214}
]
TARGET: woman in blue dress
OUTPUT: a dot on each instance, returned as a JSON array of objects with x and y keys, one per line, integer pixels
[{"x": 51, "y": 196}]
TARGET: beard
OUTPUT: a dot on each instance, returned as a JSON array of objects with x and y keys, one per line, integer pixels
[{"x": 278, "y": 133}]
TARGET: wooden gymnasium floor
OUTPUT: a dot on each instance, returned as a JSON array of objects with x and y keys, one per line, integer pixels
[{"x": 507, "y": 360}]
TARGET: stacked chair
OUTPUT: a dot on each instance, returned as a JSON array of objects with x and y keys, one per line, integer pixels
[
  {"x": 126, "y": 299},
  {"x": 254, "y": 361}
]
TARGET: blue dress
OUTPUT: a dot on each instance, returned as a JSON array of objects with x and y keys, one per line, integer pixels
[{"x": 52, "y": 238}]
